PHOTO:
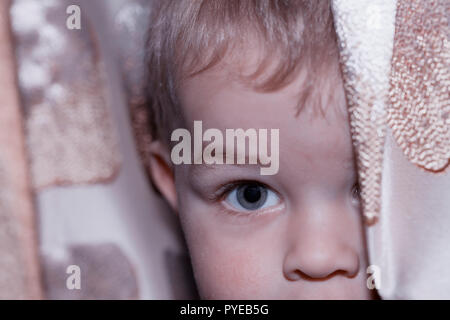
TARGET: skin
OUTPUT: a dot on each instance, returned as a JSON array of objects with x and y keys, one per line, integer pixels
[{"x": 309, "y": 244}]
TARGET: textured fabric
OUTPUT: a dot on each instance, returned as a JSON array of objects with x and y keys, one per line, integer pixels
[
  {"x": 68, "y": 123},
  {"x": 124, "y": 239},
  {"x": 105, "y": 273},
  {"x": 365, "y": 30},
  {"x": 419, "y": 108},
  {"x": 416, "y": 178},
  {"x": 411, "y": 179},
  {"x": 19, "y": 273}
]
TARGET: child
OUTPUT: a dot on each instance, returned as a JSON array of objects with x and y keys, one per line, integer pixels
[{"x": 259, "y": 64}]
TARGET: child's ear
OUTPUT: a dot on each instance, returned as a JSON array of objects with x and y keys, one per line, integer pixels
[{"x": 162, "y": 172}]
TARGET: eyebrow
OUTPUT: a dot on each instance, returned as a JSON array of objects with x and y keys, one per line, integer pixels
[
  {"x": 196, "y": 168},
  {"x": 204, "y": 168}
]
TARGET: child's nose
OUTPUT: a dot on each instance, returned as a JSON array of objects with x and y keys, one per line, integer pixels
[
  {"x": 319, "y": 248},
  {"x": 320, "y": 262}
]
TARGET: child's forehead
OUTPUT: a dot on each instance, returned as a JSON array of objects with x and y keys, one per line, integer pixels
[
  {"x": 229, "y": 105},
  {"x": 231, "y": 86},
  {"x": 223, "y": 88},
  {"x": 251, "y": 61}
]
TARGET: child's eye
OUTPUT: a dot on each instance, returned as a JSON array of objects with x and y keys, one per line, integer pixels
[
  {"x": 251, "y": 196},
  {"x": 356, "y": 193}
]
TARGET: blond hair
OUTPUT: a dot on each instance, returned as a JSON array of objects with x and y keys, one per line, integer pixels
[{"x": 187, "y": 37}]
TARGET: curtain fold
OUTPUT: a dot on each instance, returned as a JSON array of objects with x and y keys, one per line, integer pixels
[
  {"x": 19, "y": 264},
  {"x": 395, "y": 57}
]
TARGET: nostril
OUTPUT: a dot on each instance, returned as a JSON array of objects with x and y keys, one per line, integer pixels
[
  {"x": 297, "y": 275},
  {"x": 312, "y": 265}
]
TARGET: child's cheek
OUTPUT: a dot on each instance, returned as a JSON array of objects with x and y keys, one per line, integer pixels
[
  {"x": 228, "y": 273},
  {"x": 230, "y": 267}
]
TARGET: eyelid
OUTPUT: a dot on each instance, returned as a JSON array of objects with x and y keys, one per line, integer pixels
[
  {"x": 226, "y": 188},
  {"x": 264, "y": 210},
  {"x": 250, "y": 213}
]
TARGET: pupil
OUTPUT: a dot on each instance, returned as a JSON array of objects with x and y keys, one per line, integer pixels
[{"x": 252, "y": 194}]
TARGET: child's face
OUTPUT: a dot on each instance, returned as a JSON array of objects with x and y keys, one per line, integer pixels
[{"x": 305, "y": 239}]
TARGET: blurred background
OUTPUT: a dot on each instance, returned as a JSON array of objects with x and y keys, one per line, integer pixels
[{"x": 73, "y": 186}]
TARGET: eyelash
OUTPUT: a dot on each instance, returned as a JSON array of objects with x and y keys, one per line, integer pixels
[{"x": 224, "y": 189}]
